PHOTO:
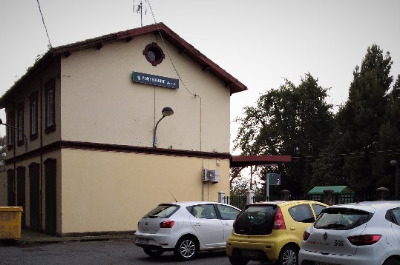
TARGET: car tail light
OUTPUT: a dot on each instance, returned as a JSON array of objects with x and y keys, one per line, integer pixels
[
  {"x": 237, "y": 217},
  {"x": 167, "y": 224},
  {"x": 363, "y": 240},
  {"x": 306, "y": 235},
  {"x": 279, "y": 222}
]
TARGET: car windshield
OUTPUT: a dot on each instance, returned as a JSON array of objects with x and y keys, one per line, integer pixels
[
  {"x": 256, "y": 220},
  {"x": 341, "y": 218},
  {"x": 162, "y": 211}
]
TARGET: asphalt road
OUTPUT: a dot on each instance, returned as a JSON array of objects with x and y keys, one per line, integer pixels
[{"x": 96, "y": 253}]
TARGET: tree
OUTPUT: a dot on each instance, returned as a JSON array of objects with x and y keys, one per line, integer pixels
[
  {"x": 361, "y": 125},
  {"x": 292, "y": 120}
]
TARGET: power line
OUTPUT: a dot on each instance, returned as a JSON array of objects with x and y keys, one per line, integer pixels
[{"x": 44, "y": 24}]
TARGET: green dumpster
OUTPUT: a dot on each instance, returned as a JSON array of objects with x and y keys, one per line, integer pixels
[{"x": 10, "y": 222}]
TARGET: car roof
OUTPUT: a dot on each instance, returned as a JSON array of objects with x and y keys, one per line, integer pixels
[
  {"x": 370, "y": 206},
  {"x": 286, "y": 203},
  {"x": 189, "y": 203}
]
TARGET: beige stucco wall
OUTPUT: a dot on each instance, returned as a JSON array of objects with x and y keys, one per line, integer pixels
[
  {"x": 97, "y": 102},
  {"x": 101, "y": 104},
  {"x": 111, "y": 191}
]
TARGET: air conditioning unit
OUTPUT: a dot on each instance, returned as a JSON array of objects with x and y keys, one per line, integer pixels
[{"x": 211, "y": 175}]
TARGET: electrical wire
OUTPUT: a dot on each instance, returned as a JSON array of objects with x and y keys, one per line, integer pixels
[
  {"x": 44, "y": 24},
  {"x": 174, "y": 67},
  {"x": 169, "y": 57}
]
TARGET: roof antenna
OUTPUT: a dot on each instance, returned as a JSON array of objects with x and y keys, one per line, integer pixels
[
  {"x": 173, "y": 197},
  {"x": 138, "y": 9}
]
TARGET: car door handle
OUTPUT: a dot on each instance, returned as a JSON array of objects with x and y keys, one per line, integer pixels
[
  {"x": 196, "y": 224},
  {"x": 292, "y": 228}
]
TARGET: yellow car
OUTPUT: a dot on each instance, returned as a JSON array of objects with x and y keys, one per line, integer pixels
[{"x": 271, "y": 231}]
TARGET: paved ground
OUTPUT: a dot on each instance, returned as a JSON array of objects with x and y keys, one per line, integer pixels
[
  {"x": 30, "y": 237},
  {"x": 119, "y": 249}
]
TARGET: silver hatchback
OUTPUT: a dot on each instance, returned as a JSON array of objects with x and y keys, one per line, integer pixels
[
  {"x": 365, "y": 233},
  {"x": 185, "y": 228}
]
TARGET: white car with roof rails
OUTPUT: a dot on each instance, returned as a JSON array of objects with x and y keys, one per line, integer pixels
[
  {"x": 365, "y": 233},
  {"x": 185, "y": 228}
]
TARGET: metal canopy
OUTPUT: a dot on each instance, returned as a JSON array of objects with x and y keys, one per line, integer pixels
[{"x": 252, "y": 160}]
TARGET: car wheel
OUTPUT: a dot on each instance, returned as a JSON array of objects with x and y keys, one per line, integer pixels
[
  {"x": 238, "y": 261},
  {"x": 153, "y": 252},
  {"x": 392, "y": 262},
  {"x": 186, "y": 248},
  {"x": 288, "y": 256}
]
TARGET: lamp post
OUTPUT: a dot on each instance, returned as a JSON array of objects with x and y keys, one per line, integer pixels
[
  {"x": 166, "y": 111},
  {"x": 396, "y": 177},
  {"x": 18, "y": 130}
]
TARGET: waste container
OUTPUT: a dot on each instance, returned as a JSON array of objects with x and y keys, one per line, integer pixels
[{"x": 10, "y": 222}]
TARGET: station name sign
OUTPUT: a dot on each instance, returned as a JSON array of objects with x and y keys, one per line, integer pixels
[{"x": 155, "y": 80}]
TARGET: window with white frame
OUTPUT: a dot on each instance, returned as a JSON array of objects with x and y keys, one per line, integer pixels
[
  {"x": 34, "y": 116},
  {"x": 50, "y": 106},
  {"x": 20, "y": 124},
  {"x": 10, "y": 130}
]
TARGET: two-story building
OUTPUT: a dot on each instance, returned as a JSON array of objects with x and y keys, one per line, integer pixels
[{"x": 89, "y": 148}]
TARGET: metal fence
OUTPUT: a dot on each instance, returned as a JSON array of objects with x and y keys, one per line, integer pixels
[{"x": 240, "y": 201}]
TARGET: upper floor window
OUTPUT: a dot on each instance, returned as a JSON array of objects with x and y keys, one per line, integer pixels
[
  {"x": 34, "y": 116},
  {"x": 20, "y": 124},
  {"x": 50, "y": 122},
  {"x": 10, "y": 130},
  {"x": 153, "y": 53}
]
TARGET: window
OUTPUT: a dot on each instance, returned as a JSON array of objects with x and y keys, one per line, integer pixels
[
  {"x": 20, "y": 124},
  {"x": 226, "y": 212},
  {"x": 302, "y": 213},
  {"x": 10, "y": 130},
  {"x": 154, "y": 54},
  {"x": 393, "y": 216},
  {"x": 163, "y": 211},
  {"x": 342, "y": 218},
  {"x": 34, "y": 116},
  {"x": 317, "y": 208},
  {"x": 256, "y": 220},
  {"x": 206, "y": 211},
  {"x": 50, "y": 106}
]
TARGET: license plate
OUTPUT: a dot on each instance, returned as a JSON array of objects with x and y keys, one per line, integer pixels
[
  {"x": 250, "y": 254},
  {"x": 142, "y": 241}
]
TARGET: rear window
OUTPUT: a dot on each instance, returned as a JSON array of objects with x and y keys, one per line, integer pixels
[
  {"x": 256, "y": 220},
  {"x": 162, "y": 211},
  {"x": 341, "y": 218}
]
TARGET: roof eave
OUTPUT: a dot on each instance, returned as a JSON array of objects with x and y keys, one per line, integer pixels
[
  {"x": 47, "y": 58},
  {"x": 234, "y": 85}
]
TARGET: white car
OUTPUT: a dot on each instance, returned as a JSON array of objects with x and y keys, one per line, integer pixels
[
  {"x": 365, "y": 233},
  {"x": 185, "y": 228}
]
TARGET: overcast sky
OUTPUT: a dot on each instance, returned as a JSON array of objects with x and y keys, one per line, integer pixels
[{"x": 259, "y": 42}]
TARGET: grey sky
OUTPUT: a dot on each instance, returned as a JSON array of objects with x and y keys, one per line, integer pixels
[{"x": 260, "y": 42}]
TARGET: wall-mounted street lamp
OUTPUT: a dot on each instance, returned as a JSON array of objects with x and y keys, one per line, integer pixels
[
  {"x": 18, "y": 130},
  {"x": 396, "y": 177},
  {"x": 166, "y": 111}
]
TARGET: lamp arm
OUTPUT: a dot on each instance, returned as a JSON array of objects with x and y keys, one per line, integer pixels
[
  {"x": 19, "y": 130},
  {"x": 155, "y": 132}
]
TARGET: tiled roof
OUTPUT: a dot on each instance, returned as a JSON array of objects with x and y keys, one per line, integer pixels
[{"x": 159, "y": 28}]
